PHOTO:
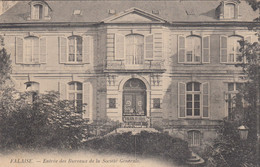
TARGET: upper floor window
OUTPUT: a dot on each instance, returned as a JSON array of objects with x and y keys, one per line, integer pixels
[
  {"x": 40, "y": 10},
  {"x": 134, "y": 49},
  {"x": 31, "y": 50},
  {"x": 229, "y": 11},
  {"x": 193, "y": 49},
  {"x": 37, "y": 12},
  {"x": 229, "y": 49},
  {"x": 76, "y": 49},
  {"x": 193, "y": 99},
  {"x": 75, "y": 93}
]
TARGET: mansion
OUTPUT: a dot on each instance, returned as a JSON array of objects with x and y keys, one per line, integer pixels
[{"x": 165, "y": 63}]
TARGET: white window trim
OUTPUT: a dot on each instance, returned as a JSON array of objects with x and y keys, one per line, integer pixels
[
  {"x": 125, "y": 56},
  {"x": 75, "y": 51},
  {"x": 193, "y": 102},
  {"x": 75, "y": 92},
  {"x": 193, "y": 55}
]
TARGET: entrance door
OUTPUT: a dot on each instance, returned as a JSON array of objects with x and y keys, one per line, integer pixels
[{"x": 134, "y": 98}]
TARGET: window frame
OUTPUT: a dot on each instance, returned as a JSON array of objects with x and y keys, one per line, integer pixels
[
  {"x": 76, "y": 92},
  {"x": 112, "y": 101},
  {"x": 157, "y": 103},
  {"x": 75, "y": 49},
  {"x": 192, "y": 141},
  {"x": 229, "y": 97},
  {"x": 193, "y": 48},
  {"x": 193, "y": 93},
  {"x": 134, "y": 45},
  {"x": 234, "y": 10},
  {"x": 33, "y": 40}
]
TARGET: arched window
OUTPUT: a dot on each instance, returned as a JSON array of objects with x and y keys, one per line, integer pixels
[
  {"x": 134, "y": 49},
  {"x": 194, "y": 138},
  {"x": 229, "y": 11},
  {"x": 37, "y": 12},
  {"x": 233, "y": 48},
  {"x": 75, "y": 49},
  {"x": 75, "y": 94},
  {"x": 31, "y": 49},
  {"x": 193, "y": 49},
  {"x": 193, "y": 99}
]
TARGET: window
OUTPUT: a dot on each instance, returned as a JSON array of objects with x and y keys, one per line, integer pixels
[
  {"x": 37, "y": 12},
  {"x": 156, "y": 103},
  {"x": 233, "y": 49},
  {"x": 194, "y": 49},
  {"x": 75, "y": 49},
  {"x": 31, "y": 50},
  {"x": 229, "y": 11},
  {"x": 194, "y": 138},
  {"x": 134, "y": 49},
  {"x": 229, "y": 49},
  {"x": 75, "y": 94},
  {"x": 193, "y": 99},
  {"x": 112, "y": 102},
  {"x": 232, "y": 97}
]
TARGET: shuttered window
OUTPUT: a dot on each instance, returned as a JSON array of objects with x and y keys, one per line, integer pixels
[
  {"x": 134, "y": 49},
  {"x": 76, "y": 49},
  {"x": 193, "y": 100},
  {"x": 31, "y": 50},
  {"x": 75, "y": 94},
  {"x": 229, "y": 49},
  {"x": 193, "y": 49}
]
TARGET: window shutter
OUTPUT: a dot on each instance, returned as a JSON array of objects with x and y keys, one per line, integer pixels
[
  {"x": 181, "y": 49},
  {"x": 205, "y": 100},
  {"x": 206, "y": 49},
  {"x": 223, "y": 49},
  {"x": 36, "y": 49},
  {"x": 63, "y": 90},
  {"x": 149, "y": 47},
  {"x": 87, "y": 100},
  {"x": 46, "y": 11},
  {"x": 88, "y": 49},
  {"x": 63, "y": 52},
  {"x": 43, "y": 51},
  {"x": 19, "y": 50},
  {"x": 119, "y": 47},
  {"x": 181, "y": 99}
]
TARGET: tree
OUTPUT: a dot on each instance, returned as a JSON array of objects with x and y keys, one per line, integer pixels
[{"x": 45, "y": 122}]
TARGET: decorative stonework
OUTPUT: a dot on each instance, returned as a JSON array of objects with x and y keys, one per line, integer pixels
[
  {"x": 111, "y": 80},
  {"x": 156, "y": 79}
]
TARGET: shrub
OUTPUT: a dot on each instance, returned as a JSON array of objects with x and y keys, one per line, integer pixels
[{"x": 145, "y": 143}]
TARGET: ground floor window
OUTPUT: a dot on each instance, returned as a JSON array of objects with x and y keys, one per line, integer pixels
[
  {"x": 75, "y": 94},
  {"x": 194, "y": 138}
]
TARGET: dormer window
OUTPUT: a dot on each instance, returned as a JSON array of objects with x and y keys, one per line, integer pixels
[
  {"x": 37, "y": 14},
  {"x": 39, "y": 10},
  {"x": 229, "y": 11}
]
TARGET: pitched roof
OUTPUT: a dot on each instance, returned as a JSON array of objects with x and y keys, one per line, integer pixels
[{"x": 97, "y": 10}]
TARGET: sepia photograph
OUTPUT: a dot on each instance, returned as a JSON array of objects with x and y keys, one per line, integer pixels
[{"x": 129, "y": 83}]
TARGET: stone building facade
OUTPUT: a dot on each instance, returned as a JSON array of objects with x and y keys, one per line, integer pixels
[{"x": 144, "y": 63}]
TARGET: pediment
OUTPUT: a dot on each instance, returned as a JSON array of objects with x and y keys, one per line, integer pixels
[{"x": 134, "y": 15}]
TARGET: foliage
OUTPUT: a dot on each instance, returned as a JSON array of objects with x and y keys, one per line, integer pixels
[
  {"x": 229, "y": 149},
  {"x": 5, "y": 67},
  {"x": 47, "y": 122},
  {"x": 145, "y": 143}
]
